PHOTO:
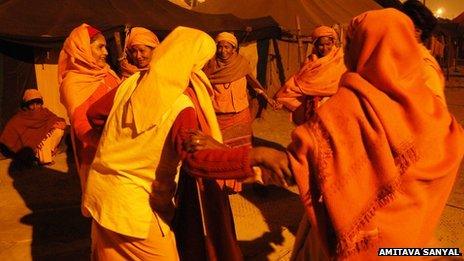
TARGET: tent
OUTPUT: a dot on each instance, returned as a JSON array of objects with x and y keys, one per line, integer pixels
[
  {"x": 283, "y": 58},
  {"x": 310, "y": 12},
  {"x": 32, "y": 32}
]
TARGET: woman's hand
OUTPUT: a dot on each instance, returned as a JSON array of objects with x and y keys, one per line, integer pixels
[
  {"x": 199, "y": 141},
  {"x": 275, "y": 104},
  {"x": 275, "y": 165}
]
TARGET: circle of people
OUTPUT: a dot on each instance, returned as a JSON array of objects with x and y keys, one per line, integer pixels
[{"x": 374, "y": 154}]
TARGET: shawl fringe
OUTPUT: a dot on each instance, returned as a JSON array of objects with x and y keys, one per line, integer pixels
[{"x": 404, "y": 156}]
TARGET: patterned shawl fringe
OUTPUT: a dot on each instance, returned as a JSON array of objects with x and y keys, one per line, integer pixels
[{"x": 404, "y": 157}]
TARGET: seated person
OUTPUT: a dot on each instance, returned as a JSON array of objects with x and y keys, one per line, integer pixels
[{"x": 33, "y": 128}]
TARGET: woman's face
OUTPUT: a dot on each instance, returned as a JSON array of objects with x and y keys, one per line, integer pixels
[
  {"x": 34, "y": 106},
  {"x": 324, "y": 45},
  {"x": 141, "y": 55},
  {"x": 224, "y": 50},
  {"x": 98, "y": 48}
]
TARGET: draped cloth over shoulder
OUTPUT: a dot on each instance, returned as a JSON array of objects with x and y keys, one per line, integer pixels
[
  {"x": 145, "y": 115},
  {"x": 82, "y": 82},
  {"x": 376, "y": 165},
  {"x": 317, "y": 77},
  {"x": 78, "y": 73},
  {"x": 226, "y": 71},
  {"x": 137, "y": 35}
]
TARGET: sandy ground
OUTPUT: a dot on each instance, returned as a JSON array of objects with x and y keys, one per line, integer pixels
[{"x": 40, "y": 214}]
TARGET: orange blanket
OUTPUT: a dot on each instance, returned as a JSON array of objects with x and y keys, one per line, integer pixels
[
  {"x": 226, "y": 71},
  {"x": 375, "y": 167},
  {"x": 317, "y": 77}
]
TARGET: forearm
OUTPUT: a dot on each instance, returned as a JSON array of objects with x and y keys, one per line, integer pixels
[{"x": 220, "y": 163}]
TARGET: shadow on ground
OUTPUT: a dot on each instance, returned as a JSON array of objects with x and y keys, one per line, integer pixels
[
  {"x": 279, "y": 207},
  {"x": 60, "y": 232}
]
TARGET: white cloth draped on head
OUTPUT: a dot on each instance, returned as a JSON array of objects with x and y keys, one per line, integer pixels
[{"x": 176, "y": 63}]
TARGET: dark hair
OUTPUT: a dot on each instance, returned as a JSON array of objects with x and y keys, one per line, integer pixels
[
  {"x": 36, "y": 100},
  {"x": 421, "y": 16}
]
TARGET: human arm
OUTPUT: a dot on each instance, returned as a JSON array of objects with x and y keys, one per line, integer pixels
[
  {"x": 256, "y": 86},
  {"x": 221, "y": 162},
  {"x": 273, "y": 163}
]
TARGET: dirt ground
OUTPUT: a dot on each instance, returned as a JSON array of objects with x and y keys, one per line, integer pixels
[{"x": 40, "y": 214}]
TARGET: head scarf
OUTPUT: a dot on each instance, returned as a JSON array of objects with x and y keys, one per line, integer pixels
[
  {"x": 227, "y": 37},
  {"x": 31, "y": 94},
  {"x": 323, "y": 31},
  {"x": 78, "y": 73},
  {"x": 137, "y": 35},
  {"x": 383, "y": 152},
  {"x": 232, "y": 69},
  {"x": 140, "y": 35},
  {"x": 92, "y": 31},
  {"x": 176, "y": 63}
]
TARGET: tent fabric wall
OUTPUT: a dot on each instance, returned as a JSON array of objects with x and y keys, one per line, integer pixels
[
  {"x": 17, "y": 75},
  {"x": 47, "y": 84},
  {"x": 311, "y": 12},
  {"x": 46, "y": 23}
]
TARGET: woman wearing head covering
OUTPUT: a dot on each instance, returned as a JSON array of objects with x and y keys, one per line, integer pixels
[
  {"x": 377, "y": 162},
  {"x": 317, "y": 79},
  {"x": 230, "y": 74},
  {"x": 84, "y": 78},
  {"x": 139, "y": 44},
  {"x": 133, "y": 179},
  {"x": 33, "y": 128}
]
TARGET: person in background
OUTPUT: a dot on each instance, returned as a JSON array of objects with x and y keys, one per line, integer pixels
[
  {"x": 84, "y": 78},
  {"x": 33, "y": 128},
  {"x": 139, "y": 44},
  {"x": 230, "y": 75},
  {"x": 317, "y": 79},
  {"x": 133, "y": 179},
  {"x": 424, "y": 24},
  {"x": 377, "y": 162}
]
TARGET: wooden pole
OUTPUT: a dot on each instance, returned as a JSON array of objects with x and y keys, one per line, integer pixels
[
  {"x": 280, "y": 67},
  {"x": 298, "y": 38}
]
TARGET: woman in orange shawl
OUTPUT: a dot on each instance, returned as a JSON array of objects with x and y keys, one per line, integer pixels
[
  {"x": 33, "y": 130},
  {"x": 230, "y": 75},
  {"x": 139, "y": 44},
  {"x": 376, "y": 164},
  {"x": 317, "y": 79},
  {"x": 84, "y": 77}
]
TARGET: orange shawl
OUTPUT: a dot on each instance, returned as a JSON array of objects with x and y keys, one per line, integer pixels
[
  {"x": 28, "y": 128},
  {"x": 78, "y": 74},
  {"x": 226, "y": 71},
  {"x": 377, "y": 163},
  {"x": 435, "y": 79},
  {"x": 317, "y": 77}
]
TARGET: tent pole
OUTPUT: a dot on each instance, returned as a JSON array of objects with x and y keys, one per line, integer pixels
[
  {"x": 280, "y": 66},
  {"x": 298, "y": 38}
]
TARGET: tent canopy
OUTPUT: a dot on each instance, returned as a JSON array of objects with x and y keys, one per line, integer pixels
[
  {"x": 46, "y": 23},
  {"x": 311, "y": 13}
]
